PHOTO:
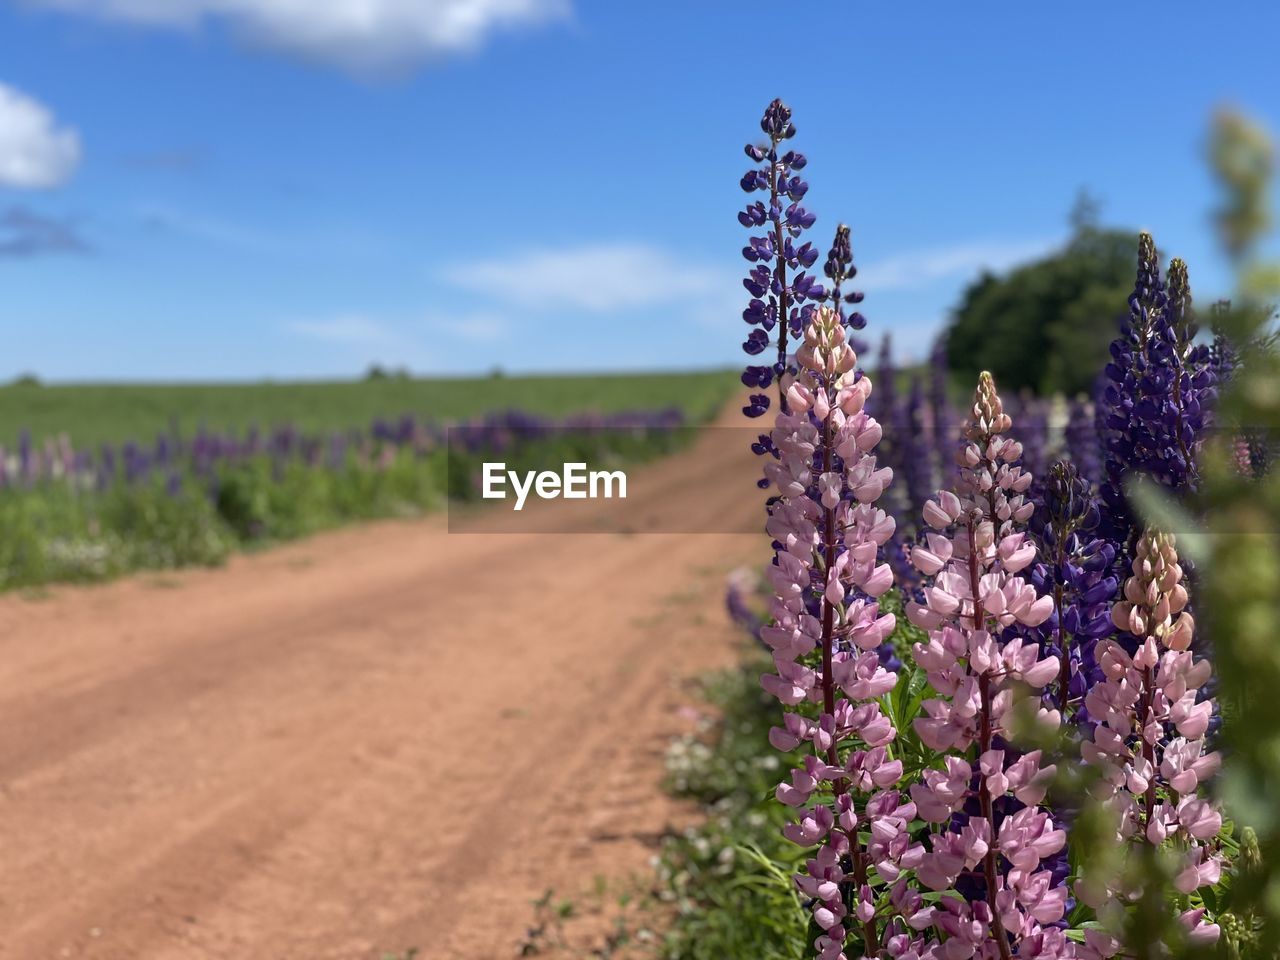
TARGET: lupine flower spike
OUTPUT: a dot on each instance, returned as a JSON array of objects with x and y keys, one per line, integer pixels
[
  {"x": 1080, "y": 437},
  {"x": 839, "y": 269},
  {"x": 826, "y": 631},
  {"x": 1158, "y": 399},
  {"x": 1074, "y": 570},
  {"x": 1149, "y": 741},
  {"x": 992, "y": 836},
  {"x": 777, "y": 309}
]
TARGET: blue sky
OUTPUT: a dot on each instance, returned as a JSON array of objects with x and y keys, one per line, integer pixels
[{"x": 211, "y": 189}]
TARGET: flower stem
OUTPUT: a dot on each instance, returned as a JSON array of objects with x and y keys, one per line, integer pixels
[
  {"x": 984, "y": 744},
  {"x": 1148, "y": 748},
  {"x": 841, "y": 786},
  {"x": 1064, "y": 675},
  {"x": 779, "y": 274}
]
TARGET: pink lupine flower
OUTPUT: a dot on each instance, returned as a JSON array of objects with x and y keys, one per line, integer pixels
[
  {"x": 1148, "y": 744},
  {"x": 1199, "y": 932},
  {"x": 971, "y": 561},
  {"x": 825, "y": 634},
  {"x": 1243, "y": 457}
]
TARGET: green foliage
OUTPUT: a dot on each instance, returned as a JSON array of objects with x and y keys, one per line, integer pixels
[
  {"x": 57, "y": 531},
  {"x": 1046, "y": 326},
  {"x": 106, "y": 413},
  {"x": 1240, "y": 556},
  {"x": 58, "y": 534},
  {"x": 1237, "y": 556},
  {"x": 260, "y": 501}
]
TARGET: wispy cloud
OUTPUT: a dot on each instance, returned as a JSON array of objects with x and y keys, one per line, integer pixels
[
  {"x": 370, "y": 332},
  {"x": 921, "y": 267},
  {"x": 35, "y": 151},
  {"x": 351, "y": 330},
  {"x": 362, "y": 339},
  {"x": 355, "y": 35},
  {"x": 598, "y": 278},
  {"x": 602, "y": 285},
  {"x": 473, "y": 327},
  {"x": 213, "y": 230},
  {"x": 182, "y": 160},
  {"x": 25, "y": 233}
]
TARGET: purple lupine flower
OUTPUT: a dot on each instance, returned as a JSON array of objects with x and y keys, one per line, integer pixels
[
  {"x": 943, "y": 422},
  {"x": 106, "y": 466},
  {"x": 162, "y": 451},
  {"x": 1074, "y": 569},
  {"x": 136, "y": 465},
  {"x": 839, "y": 269},
  {"x": 1158, "y": 400},
  {"x": 887, "y": 407},
  {"x": 902, "y": 452},
  {"x": 908, "y": 449},
  {"x": 920, "y": 479},
  {"x": 741, "y": 583},
  {"x": 1223, "y": 353},
  {"x": 912, "y": 459},
  {"x": 1081, "y": 440},
  {"x": 337, "y": 451},
  {"x": 25, "y": 460},
  {"x": 1032, "y": 416},
  {"x": 777, "y": 308}
]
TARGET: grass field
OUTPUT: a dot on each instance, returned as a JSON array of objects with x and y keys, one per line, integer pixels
[
  {"x": 132, "y": 496},
  {"x": 113, "y": 413}
]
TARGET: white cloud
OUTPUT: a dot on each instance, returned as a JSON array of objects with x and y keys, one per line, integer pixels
[
  {"x": 34, "y": 151},
  {"x": 475, "y": 327},
  {"x": 352, "y": 330},
  {"x": 358, "y": 35},
  {"x": 921, "y": 267},
  {"x": 598, "y": 279},
  {"x": 373, "y": 333}
]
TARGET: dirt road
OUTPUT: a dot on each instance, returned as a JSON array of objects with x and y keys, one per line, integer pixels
[{"x": 385, "y": 737}]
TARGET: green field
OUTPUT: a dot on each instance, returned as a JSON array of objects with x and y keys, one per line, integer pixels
[
  {"x": 112, "y": 413},
  {"x": 76, "y": 524}
]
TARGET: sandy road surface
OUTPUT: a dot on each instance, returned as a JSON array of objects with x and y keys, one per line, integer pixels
[{"x": 384, "y": 737}]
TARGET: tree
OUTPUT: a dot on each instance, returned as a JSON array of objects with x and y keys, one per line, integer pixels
[{"x": 1046, "y": 325}]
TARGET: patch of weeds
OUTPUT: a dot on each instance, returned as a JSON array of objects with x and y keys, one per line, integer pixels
[
  {"x": 605, "y": 926},
  {"x": 547, "y": 935},
  {"x": 728, "y": 878}
]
